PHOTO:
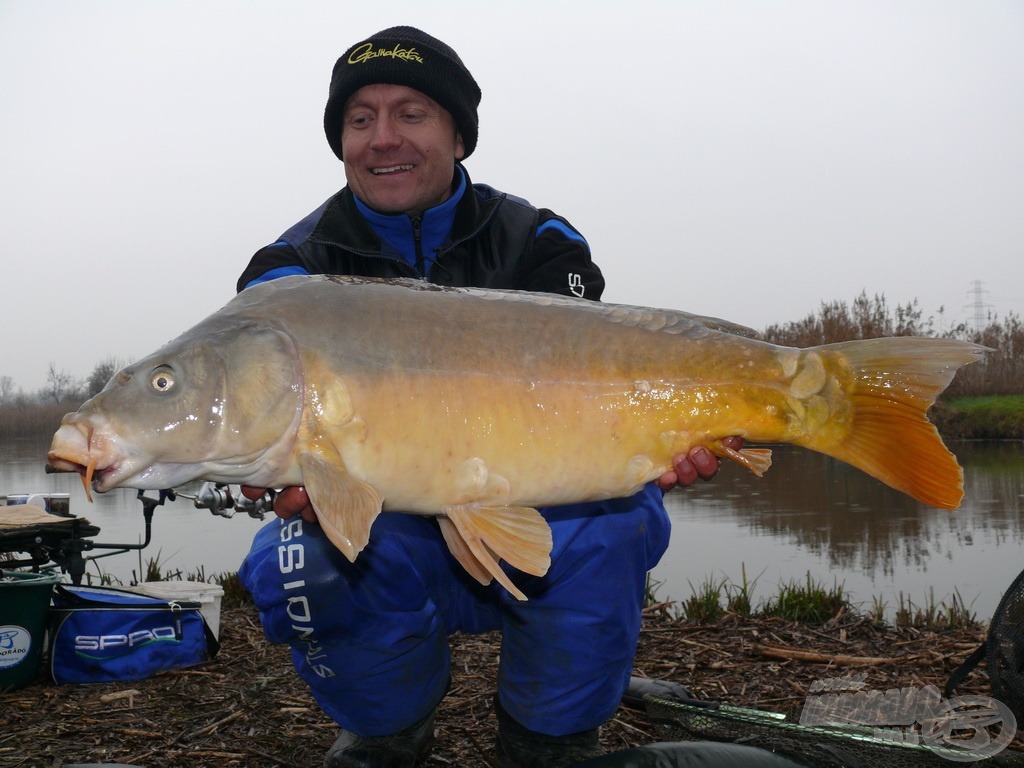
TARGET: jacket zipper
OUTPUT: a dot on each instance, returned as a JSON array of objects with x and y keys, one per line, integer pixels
[
  {"x": 441, "y": 252},
  {"x": 417, "y": 238}
]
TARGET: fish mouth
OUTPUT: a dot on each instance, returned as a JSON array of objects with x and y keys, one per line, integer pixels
[{"x": 74, "y": 450}]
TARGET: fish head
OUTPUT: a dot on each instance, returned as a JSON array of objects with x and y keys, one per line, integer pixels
[{"x": 218, "y": 404}]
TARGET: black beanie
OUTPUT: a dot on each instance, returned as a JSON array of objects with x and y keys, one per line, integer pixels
[{"x": 410, "y": 57}]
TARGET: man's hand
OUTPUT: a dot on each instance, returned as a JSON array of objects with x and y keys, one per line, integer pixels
[
  {"x": 288, "y": 502},
  {"x": 698, "y": 462}
]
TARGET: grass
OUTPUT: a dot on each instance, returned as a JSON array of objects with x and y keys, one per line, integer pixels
[
  {"x": 936, "y": 616},
  {"x": 705, "y": 604},
  {"x": 739, "y": 598},
  {"x": 711, "y": 600},
  {"x": 811, "y": 601},
  {"x": 982, "y": 417}
]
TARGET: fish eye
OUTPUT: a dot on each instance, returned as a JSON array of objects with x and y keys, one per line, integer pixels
[{"x": 162, "y": 380}]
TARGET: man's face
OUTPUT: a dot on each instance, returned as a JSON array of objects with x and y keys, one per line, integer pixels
[{"x": 400, "y": 148}]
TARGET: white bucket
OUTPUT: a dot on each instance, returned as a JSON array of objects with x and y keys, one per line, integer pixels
[{"x": 207, "y": 595}]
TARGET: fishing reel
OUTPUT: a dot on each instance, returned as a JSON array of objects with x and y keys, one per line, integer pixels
[{"x": 217, "y": 498}]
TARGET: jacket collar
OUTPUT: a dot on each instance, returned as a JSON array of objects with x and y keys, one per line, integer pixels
[{"x": 343, "y": 224}]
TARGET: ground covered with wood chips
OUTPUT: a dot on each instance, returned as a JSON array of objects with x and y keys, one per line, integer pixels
[{"x": 247, "y": 707}]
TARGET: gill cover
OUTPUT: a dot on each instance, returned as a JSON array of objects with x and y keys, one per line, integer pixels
[{"x": 220, "y": 396}]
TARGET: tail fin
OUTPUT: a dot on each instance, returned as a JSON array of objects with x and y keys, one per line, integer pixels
[{"x": 897, "y": 380}]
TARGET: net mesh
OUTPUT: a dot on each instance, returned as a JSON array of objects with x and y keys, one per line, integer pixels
[
  {"x": 821, "y": 747},
  {"x": 1006, "y": 649}
]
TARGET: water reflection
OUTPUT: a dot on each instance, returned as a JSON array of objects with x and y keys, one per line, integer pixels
[{"x": 813, "y": 514}]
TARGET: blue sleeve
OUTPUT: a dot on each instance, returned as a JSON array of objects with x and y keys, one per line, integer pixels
[{"x": 273, "y": 274}]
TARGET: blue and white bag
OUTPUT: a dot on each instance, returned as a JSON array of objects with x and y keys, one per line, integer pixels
[{"x": 99, "y": 635}]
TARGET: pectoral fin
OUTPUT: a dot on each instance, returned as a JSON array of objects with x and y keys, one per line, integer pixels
[
  {"x": 483, "y": 535},
  {"x": 345, "y": 506}
]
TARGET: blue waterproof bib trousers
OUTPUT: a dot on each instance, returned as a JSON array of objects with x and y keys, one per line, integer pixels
[{"x": 370, "y": 637}]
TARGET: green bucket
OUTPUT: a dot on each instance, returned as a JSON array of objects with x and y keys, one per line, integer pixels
[{"x": 24, "y": 607}]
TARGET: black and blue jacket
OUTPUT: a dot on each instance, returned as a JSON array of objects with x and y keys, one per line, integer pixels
[{"x": 479, "y": 238}]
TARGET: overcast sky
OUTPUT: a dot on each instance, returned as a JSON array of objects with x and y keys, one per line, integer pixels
[{"x": 746, "y": 160}]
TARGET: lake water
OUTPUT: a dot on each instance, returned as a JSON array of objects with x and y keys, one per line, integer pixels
[
  {"x": 808, "y": 514},
  {"x": 812, "y": 514},
  {"x": 183, "y": 538}
]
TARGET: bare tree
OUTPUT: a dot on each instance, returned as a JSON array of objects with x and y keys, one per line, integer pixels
[
  {"x": 6, "y": 389},
  {"x": 102, "y": 373},
  {"x": 60, "y": 386}
]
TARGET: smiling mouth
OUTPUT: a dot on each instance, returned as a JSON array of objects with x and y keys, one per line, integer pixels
[{"x": 391, "y": 169}]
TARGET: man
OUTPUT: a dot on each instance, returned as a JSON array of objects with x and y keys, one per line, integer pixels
[{"x": 370, "y": 637}]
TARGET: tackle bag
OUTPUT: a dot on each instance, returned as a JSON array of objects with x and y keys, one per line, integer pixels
[{"x": 101, "y": 635}]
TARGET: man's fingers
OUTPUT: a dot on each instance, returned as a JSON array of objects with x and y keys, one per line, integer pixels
[
  {"x": 667, "y": 481},
  {"x": 292, "y": 501},
  {"x": 703, "y": 462},
  {"x": 686, "y": 472},
  {"x": 734, "y": 442},
  {"x": 251, "y": 492}
]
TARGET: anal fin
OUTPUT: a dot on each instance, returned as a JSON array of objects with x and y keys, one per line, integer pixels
[
  {"x": 517, "y": 535},
  {"x": 757, "y": 460}
]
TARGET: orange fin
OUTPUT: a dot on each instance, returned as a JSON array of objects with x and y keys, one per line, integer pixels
[
  {"x": 896, "y": 381},
  {"x": 757, "y": 460},
  {"x": 461, "y": 551},
  {"x": 517, "y": 535},
  {"x": 345, "y": 506}
]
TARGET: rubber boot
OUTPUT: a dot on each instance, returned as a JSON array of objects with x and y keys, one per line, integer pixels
[
  {"x": 404, "y": 749},
  {"x": 519, "y": 747}
]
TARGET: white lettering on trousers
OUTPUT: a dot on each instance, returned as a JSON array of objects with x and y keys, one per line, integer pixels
[{"x": 291, "y": 560}]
